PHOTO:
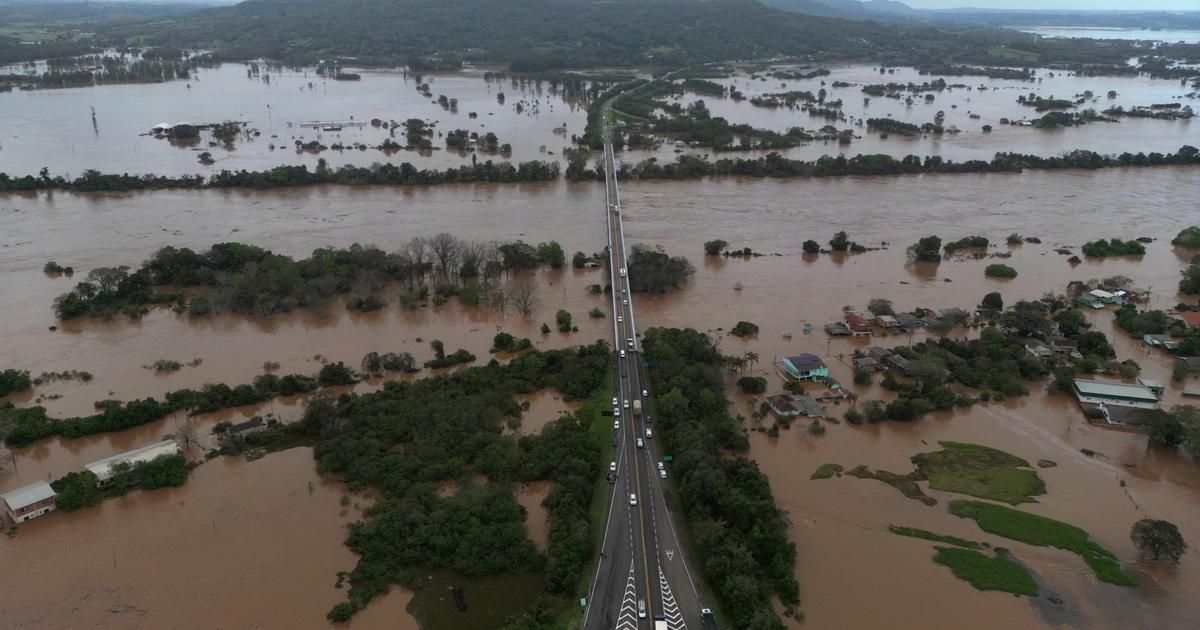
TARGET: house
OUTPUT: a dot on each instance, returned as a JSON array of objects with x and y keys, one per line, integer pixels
[
  {"x": 1038, "y": 349},
  {"x": 1102, "y": 296},
  {"x": 805, "y": 367},
  {"x": 953, "y": 314},
  {"x": 1115, "y": 394},
  {"x": 837, "y": 329},
  {"x": 1161, "y": 341},
  {"x": 161, "y": 127},
  {"x": 792, "y": 405},
  {"x": 1191, "y": 364},
  {"x": 253, "y": 425},
  {"x": 899, "y": 363},
  {"x": 29, "y": 502},
  {"x": 877, "y": 353},
  {"x": 857, "y": 325},
  {"x": 987, "y": 313},
  {"x": 1089, "y": 301},
  {"x": 1155, "y": 386},
  {"x": 1062, "y": 345},
  {"x": 1191, "y": 319},
  {"x": 886, "y": 321},
  {"x": 866, "y": 363},
  {"x": 909, "y": 320},
  {"x": 108, "y": 468}
]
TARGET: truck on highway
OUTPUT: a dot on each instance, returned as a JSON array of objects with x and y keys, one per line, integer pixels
[
  {"x": 660, "y": 623},
  {"x": 707, "y": 621},
  {"x": 637, "y": 407}
]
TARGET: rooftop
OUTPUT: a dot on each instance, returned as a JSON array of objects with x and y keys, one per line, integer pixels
[
  {"x": 806, "y": 361},
  {"x": 103, "y": 468},
  {"x": 1113, "y": 389},
  {"x": 28, "y": 495},
  {"x": 1191, "y": 317}
]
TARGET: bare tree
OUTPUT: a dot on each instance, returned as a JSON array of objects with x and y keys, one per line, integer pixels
[
  {"x": 523, "y": 295},
  {"x": 471, "y": 259},
  {"x": 418, "y": 255},
  {"x": 186, "y": 436},
  {"x": 446, "y": 249}
]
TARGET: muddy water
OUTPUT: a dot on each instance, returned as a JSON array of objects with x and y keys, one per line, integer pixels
[
  {"x": 840, "y": 524},
  {"x": 996, "y": 100},
  {"x": 225, "y": 548},
  {"x": 545, "y": 406},
  {"x": 53, "y": 128},
  {"x": 530, "y": 496}
]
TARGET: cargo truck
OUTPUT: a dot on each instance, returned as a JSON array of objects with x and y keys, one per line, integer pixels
[{"x": 637, "y": 407}]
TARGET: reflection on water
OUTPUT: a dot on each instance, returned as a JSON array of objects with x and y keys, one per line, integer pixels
[{"x": 488, "y": 601}]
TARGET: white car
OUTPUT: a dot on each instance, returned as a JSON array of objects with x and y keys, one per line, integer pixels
[
  {"x": 662, "y": 474},
  {"x": 649, "y": 434},
  {"x": 620, "y": 319},
  {"x": 625, "y": 302},
  {"x": 626, "y": 403},
  {"x": 660, "y": 466},
  {"x": 622, "y": 354},
  {"x": 633, "y": 499},
  {"x": 645, "y": 393},
  {"x": 640, "y": 443},
  {"x": 612, "y": 467},
  {"x": 614, "y": 401},
  {"x": 616, "y": 425},
  {"x": 629, "y": 341}
]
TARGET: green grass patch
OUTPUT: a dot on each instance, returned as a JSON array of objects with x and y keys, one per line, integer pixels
[
  {"x": 1044, "y": 532},
  {"x": 913, "y": 532},
  {"x": 825, "y": 471},
  {"x": 979, "y": 471},
  {"x": 906, "y": 484},
  {"x": 987, "y": 573}
]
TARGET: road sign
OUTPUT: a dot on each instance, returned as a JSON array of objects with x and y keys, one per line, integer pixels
[{"x": 668, "y": 458}]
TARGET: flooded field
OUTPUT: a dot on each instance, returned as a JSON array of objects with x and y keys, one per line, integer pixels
[
  {"x": 241, "y": 545},
  {"x": 54, "y": 128},
  {"x": 984, "y": 101},
  {"x": 1169, "y": 35},
  {"x": 839, "y": 525}
]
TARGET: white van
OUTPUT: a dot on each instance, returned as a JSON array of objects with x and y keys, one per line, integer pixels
[{"x": 622, "y": 272}]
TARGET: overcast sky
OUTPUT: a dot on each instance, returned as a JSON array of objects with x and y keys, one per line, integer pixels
[{"x": 1104, "y": 5}]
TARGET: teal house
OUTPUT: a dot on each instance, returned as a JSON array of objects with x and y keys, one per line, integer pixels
[{"x": 806, "y": 367}]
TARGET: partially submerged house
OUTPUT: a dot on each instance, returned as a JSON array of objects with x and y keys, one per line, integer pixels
[
  {"x": 109, "y": 468},
  {"x": 29, "y": 502},
  {"x": 793, "y": 405},
  {"x": 805, "y": 367},
  {"x": 909, "y": 320},
  {"x": 886, "y": 321},
  {"x": 1114, "y": 394},
  {"x": 866, "y": 363},
  {"x": 1161, "y": 341},
  {"x": 1038, "y": 349},
  {"x": 253, "y": 425},
  {"x": 859, "y": 327}
]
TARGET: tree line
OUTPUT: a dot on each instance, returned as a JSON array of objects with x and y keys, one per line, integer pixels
[{"x": 247, "y": 279}]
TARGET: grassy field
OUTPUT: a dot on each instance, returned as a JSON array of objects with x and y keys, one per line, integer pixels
[
  {"x": 1044, "y": 532},
  {"x": 980, "y": 471},
  {"x": 906, "y": 484},
  {"x": 987, "y": 573},
  {"x": 825, "y": 471},
  {"x": 913, "y": 532}
]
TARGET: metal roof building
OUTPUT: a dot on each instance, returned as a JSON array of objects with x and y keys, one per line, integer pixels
[
  {"x": 1114, "y": 393},
  {"x": 103, "y": 469},
  {"x": 29, "y": 501}
]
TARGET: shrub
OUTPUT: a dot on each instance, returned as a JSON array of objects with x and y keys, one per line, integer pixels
[
  {"x": 840, "y": 242},
  {"x": 163, "y": 471},
  {"x": 1000, "y": 271},
  {"x": 752, "y": 384},
  {"x": 596, "y": 313},
  {"x": 714, "y": 248},
  {"x": 853, "y": 416},
  {"x": 1189, "y": 238},
  {"x": 744, "y": 329},
  {"x": 1158, "y": 540},
  {"x": 928, "y": 249},
  {"x": 1113, "y": 247},
  {"x": 13, "y": 381},
  {"x": 811, "y": 247},
  {"x": 563, "y": 319},
  {"x": 993, "y": 300}
]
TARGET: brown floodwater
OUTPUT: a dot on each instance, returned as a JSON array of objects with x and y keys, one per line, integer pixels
[
  {"x": 241, "y": 545},
  {"x": 839, "y": 524}
]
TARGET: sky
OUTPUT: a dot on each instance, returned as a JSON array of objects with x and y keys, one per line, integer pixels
[{"x": 1095, "y": 5}]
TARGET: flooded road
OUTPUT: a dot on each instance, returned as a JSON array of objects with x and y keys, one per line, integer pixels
[
  {"x": 839, "y": 524},
  {"x": 241, "y": 545}
]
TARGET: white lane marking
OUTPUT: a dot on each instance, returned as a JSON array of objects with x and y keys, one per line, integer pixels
[
  {"x": 671, "y": 614},
  {"x": 627, "y": 619}
]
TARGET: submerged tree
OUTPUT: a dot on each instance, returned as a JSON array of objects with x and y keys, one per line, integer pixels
[{"x": 1158, "y": 540}]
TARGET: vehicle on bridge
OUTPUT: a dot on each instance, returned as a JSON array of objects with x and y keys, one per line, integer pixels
[
  {"x": 640, "y": 443},
  {"x": 660, "y": 623},
  {"x": 633, "y": 499},
  {"x": 707, "y": 621},
  {"x": 622, "y": 272}
]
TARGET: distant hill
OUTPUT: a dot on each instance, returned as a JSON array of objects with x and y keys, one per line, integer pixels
[{"x": 550, "y": 34}]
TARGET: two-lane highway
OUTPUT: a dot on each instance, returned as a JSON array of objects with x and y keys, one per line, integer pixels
[{"x": 642, "y": 563}]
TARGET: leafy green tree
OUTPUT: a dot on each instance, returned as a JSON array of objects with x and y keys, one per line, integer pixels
[
  {"x": 714, "y": 248},
  {"x": 1190, "y": 284},
  {"x": 744, "y": 329},
  {"x": 76, "y": 490},
  {"x": 752, "y": 384},
  {"x": 811, "y": 247},
  {"x": 552, "y": 254},
  {"x": 1071, "y": 322},
  {"x": 563, "y": 319},
  {"x": 840, "y": 242},
  {"x": 880, "y": 306},
  {"x": 1158, "y": 540},
  {"x": 927, "y": 249},
  {"x": 164, "y": 471},
  {"x": 993, "y": 300},
  {"x": 999, "y": 271},
  {"x": 14, "y": 381}
]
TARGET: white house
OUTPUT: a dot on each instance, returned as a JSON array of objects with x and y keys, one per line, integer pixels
[
  {"x": 103, "y": 469},
  {"x": 29, "y": 502}
]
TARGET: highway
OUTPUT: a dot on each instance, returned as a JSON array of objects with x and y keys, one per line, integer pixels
[{"x": 642, "y": 566}]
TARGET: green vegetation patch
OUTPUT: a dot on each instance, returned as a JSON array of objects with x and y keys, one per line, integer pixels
[
  {"x": 1189, "y": 237},
  {"x": 1114, "y": 247},
  {"x": 1044, "y": 532},
  {"x": 987, "y": 573},
  {"x": 913, "y": 532},
  {"x": 999, "y": 271},
  {"x": 979, "y": 471},
  {"x": 825, "y": 471},
  {"x": 906, "y": 484}
]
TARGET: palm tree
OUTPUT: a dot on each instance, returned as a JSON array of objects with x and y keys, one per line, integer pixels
[{"x": 751, "y": 358}]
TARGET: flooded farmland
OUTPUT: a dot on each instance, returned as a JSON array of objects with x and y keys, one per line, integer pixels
[{"x": 239, "y": 517}]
